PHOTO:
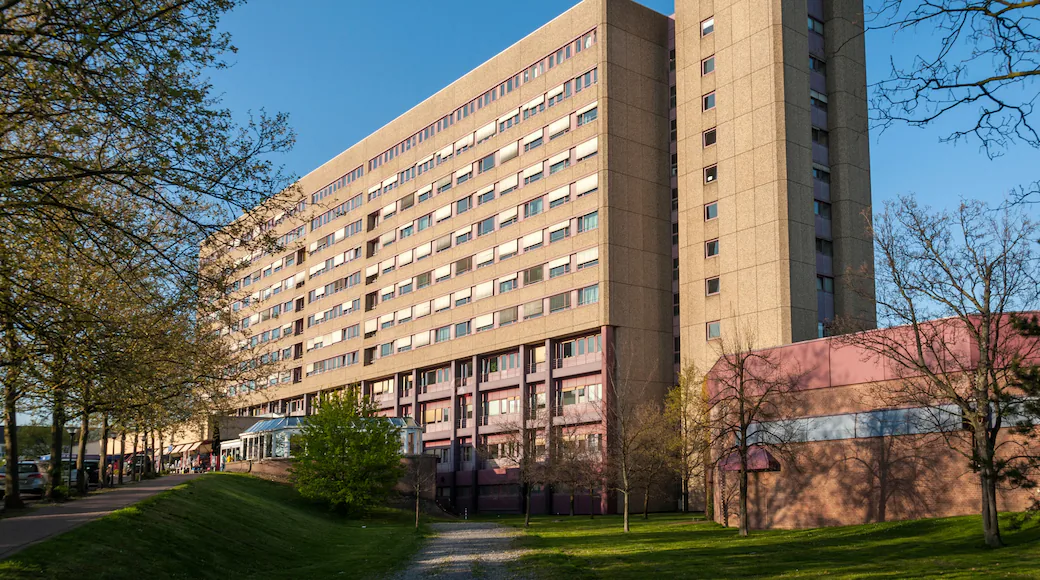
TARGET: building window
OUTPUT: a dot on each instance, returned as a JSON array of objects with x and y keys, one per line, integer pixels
[
  {"x": 463, "y": 205},
  {"x": 815, "y": 26},
  {"x": 708, "y": 65},
  {"x": 533, "y": 178},
  {"x": 559, "y": 235},
  {"x": 821, "y": 174},
  {"x": 423, "y": 223},
  {"x": 463, "y": 238},
  {"x": 486, "y": 226},
  {"x": 386, "y": 349},
  {"x": 507, "y": 316},
  {"x": 674, "y": 131},
  {"x": 559, "y": 270},
  {"x": 560, "y": 302},
  {"x": 533, "y": 309},
  {"x": 711, "y": 211},
  {"x": 711, "y": 173},
  {"x": 708, "y": 26},
  {"x": 508, "y": 222},
  {"x": 559, "y": 166},
  {"x": 486, "y": 197},
  {"x": 817, "y": 65},
  {"x": 709, "y": 137},
  {"x": 533, "y": 208},
  {"x": 671, "y": 96},
  {"x": 487, "y": 163},
  {"x": 587, "y": 116},
  {"x": 822, "y": 209},
  {"x": 711, "y": 248},
  {"x": 714, "y": 330},
  {"x": 534, "y": 275},
  {"x": 825, "y": 247},
  {"x": 559, "y": 201},
  {"x": 711, "y": 286},
  {"x": 588, "y": 295},
  {"x": 442, "y": 334},
  {"x": 818, "y": 100},
  {"x": 588, "y": 222},
  {"x": 462, "y": 329},
  {"x": 423, "y": 280},
  {"x": 820, "y": 137},
  {"x": 825, "y": 284},
  {"x": 533, "y": 144},
  {"x": 506, "y": 286}
]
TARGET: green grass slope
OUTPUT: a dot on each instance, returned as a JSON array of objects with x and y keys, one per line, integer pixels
[
  {"x": 223, "y": 526},
  {"x": 672, "y": 546}
]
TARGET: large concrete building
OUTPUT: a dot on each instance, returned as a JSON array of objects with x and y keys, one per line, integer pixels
[{"x": 604, "y": 198}]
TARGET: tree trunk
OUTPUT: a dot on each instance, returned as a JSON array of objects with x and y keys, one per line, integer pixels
[
  {"x": 103, "y": 459},
  {"x": 709, "y": 488},
  {"x": 646, "y": 502},
  {"x": 987, "y": 477},
  {"x": 625, "y": 493},
  {"x": 149, "y": 452},
  {"x": 527, "y": 505},
  {"x": 55, "y": 475},
  {"x": 592, "y": 503},
  {"x": 572, "y": 503},
  {"x": 685, "y": 494},
  {"x": 743, "y": 526},
  {"x": 417, "y": 491},
  {"x": 133, "y": 457},
  {"x": 122, "y": 456},
  {"x": 12, "y": 495},
  {"x": 81, "y": 473}
]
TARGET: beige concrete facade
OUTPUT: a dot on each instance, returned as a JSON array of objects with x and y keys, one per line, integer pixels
[
  {"x": 584, "y": 103},
  {"x": 766, "y": 227}
]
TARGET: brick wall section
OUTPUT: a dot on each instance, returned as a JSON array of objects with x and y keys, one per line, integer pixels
[{"x": 857, "y": 481}]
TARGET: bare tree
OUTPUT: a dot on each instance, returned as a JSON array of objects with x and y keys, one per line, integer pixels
[
  {"x": 419, "y": 477},
  {"x": 632, "y": 397},
  {"x": 654, "y": 459},
  {"x": 520, "y": 446},
  {"x": 979, "y": 57},
  {"x": 951, "y": 282},
  {"x": 750, "y": 394}
]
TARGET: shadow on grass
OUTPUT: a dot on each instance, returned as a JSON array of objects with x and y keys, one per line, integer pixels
[{"x": 950, "y": 547}]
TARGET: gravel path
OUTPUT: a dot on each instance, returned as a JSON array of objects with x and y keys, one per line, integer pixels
[{"x": 461, "y": 551}]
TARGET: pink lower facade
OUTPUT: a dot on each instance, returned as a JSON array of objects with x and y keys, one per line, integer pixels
[{"x": 472, "y": 407}]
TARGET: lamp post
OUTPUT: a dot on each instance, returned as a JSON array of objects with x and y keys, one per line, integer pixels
[{"x": 72, "y": 441}]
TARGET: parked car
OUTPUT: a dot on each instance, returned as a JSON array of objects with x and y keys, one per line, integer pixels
[{"x": 31, "y": 478}]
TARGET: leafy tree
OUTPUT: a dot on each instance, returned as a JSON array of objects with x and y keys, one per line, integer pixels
[
  {"x": 117, "y": 163},
  {"x": 686, "y": 410},
  {"x": 350, "y": 458}
]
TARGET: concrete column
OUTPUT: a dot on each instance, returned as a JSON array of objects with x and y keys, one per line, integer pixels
[
  {"x": 550, "y": 407},
  {"x": 475, "y": 464}
]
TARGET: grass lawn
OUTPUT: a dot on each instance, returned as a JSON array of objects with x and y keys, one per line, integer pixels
[
  {"x": 223, "y": 526},
  {"x": 673, "y": 546}
]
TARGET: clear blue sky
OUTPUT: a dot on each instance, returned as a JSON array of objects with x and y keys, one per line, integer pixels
[{"x": 342, "y": 69}]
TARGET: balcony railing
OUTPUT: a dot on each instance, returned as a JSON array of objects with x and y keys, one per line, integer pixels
[
  {"x": 435, "y": 387},
  {"x": 578, "y": 359},
  {"x": 438, "y": 427}
]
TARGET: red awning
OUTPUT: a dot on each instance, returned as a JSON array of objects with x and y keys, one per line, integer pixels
[{"x": 759, "y": 459}]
